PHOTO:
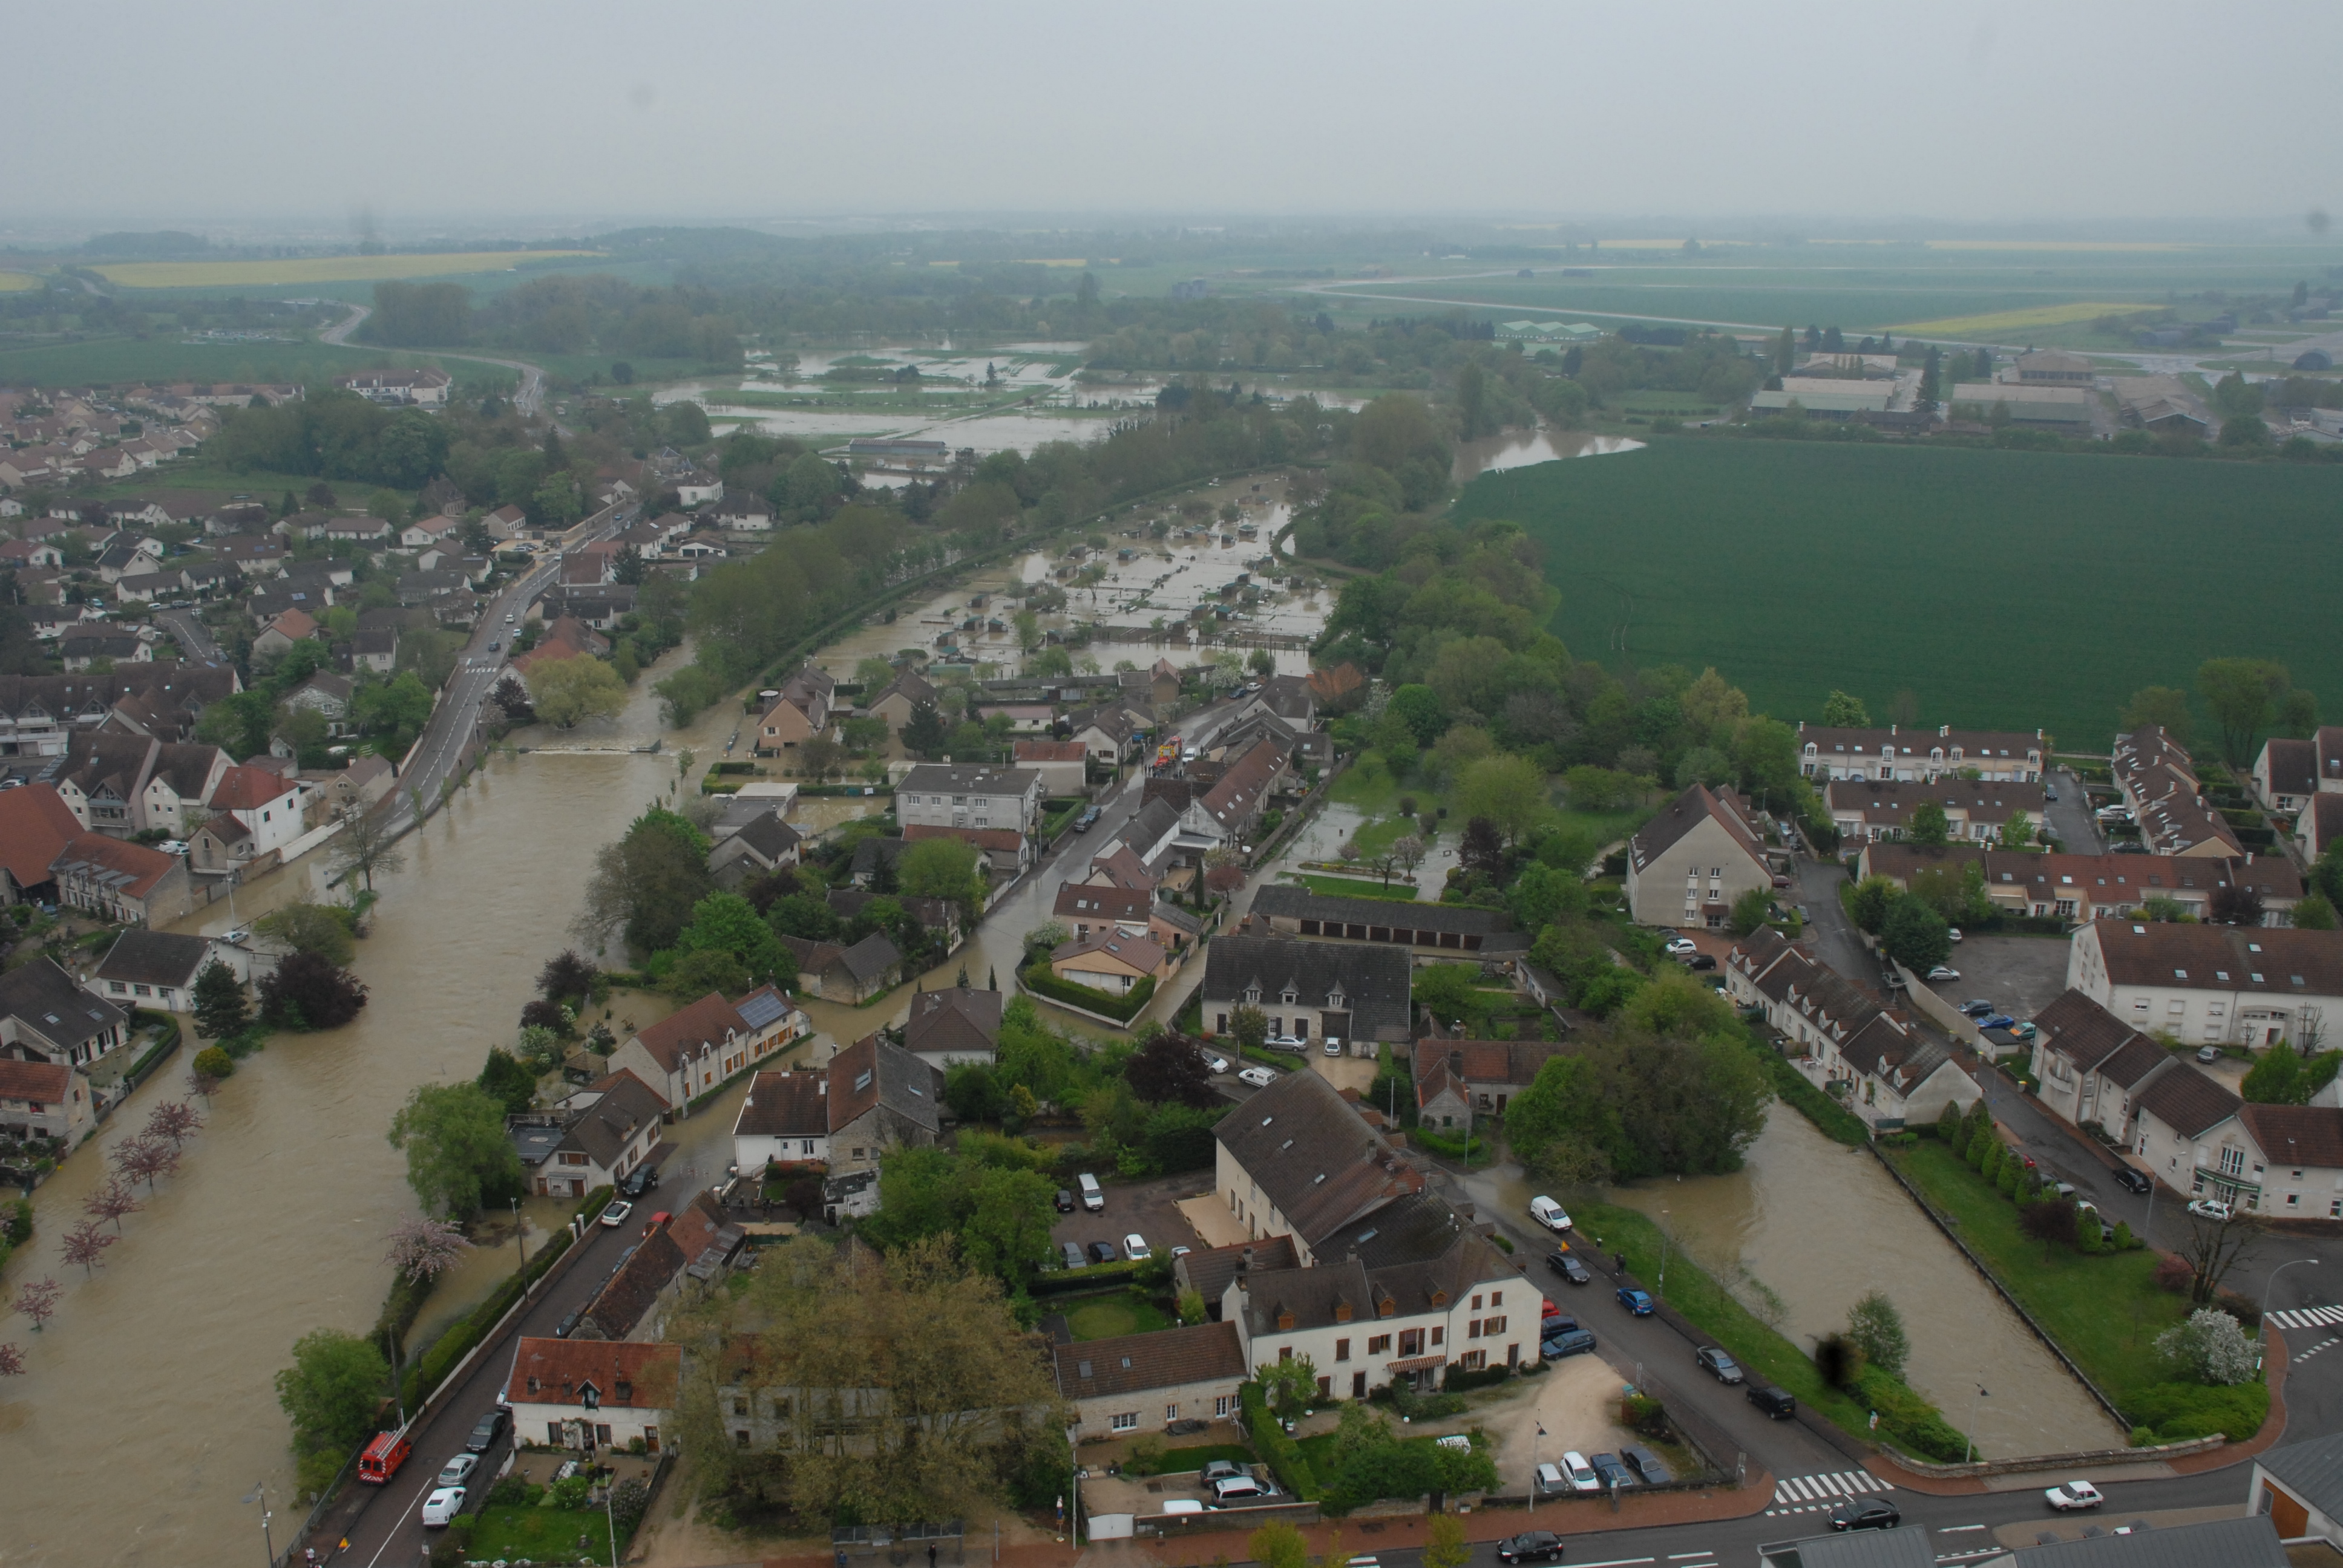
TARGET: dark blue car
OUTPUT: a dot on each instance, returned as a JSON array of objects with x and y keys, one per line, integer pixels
[
  {"x": 1574, "y": 1342},
  {"x": 1636, "y": 1301},
  {"x": 1998, "y": 1021}
]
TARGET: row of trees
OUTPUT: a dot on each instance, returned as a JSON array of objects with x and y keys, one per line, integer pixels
[{"x": 2246, "y": 698}]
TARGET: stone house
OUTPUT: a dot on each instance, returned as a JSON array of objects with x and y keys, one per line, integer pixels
[
  {"x": 881, "y": 1098},
  {"x": 1687, "y": 865},
  {"x": 594, "y": 1393},
  {"x": 700, "y": 1047},
  {"x": 1136, "y": 1383},
  {"x": 126, "y": 883},
  {"x": 591, "y": 1138},
  {"x": 1460, "y": 1082},
  {"x": 2218, "y": 985},
  {"x": 957, "y": 1024},
  {"x": 1311, "y": 990},
  {"x": 784, "y": 1121},
  {"x": 155, "y": 968}
]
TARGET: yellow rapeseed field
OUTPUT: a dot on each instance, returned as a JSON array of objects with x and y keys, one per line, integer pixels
[
  {"x": 16, "y": 282},
  {"x": 1999, "y": 321},
  {"x": 316, "y": 268}
]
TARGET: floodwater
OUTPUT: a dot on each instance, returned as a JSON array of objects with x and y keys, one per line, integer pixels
[
  {"x": 1819, "y": 1225},
  {"x": 149, "y": 1408},
  {"x": 1520, "y": 449}
]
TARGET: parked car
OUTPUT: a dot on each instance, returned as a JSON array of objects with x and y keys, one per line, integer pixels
[
  {"x": 1637, "y": 1302},
  {"x": 1550, "y": 1214},
  {"x": 1577, "y": 1342},
  {"x": 1996, "y": 1020},
  {"x": 1711, "y": 1359},
  {"x": 2131, "y": 1178},
  {"x": 1259, "y": 1077},
  {"x": 1679, "y": 946},
  {"x": 1101, "y": 1252},
  {"x": 1952, "y": 933},
  {"x": 2073, "y": 1495},
  {"x": 1579, "y": 1474},
  {"x": 1555, "y": 1324},
  {"x": 1215, "y": 1062},
  {"x": 1215, "y": 1469},
  {"x": 639, "y": 1181},
  {"x": 1333, "y": 1046},
  {"x": 2023, "y": 1029},
  {"x": 1551, "y": 1481},
  {"x": 1608, "y": 1469},
  {"x": 486, "y": 1430},
  {"x": 1134, "y": 1247},
  {"x": 2208, "y": 1053},
  {"x": 2212, "y": 1209},
  {"x": 1240, "y": 1489},
  {"x": 1530, "y": 1546},
  {"x": 458, "y": 1470},
  {"x": 1093, "y": 1196},
  {"x": 1647, "y": 1465},
  {"x": 1978, "y": 1009},
  {"x": 1288, "y": 1042},
  {"x": 1073, "y": 1253},
  {"x": 1864, "y": 1513},
  {"x": 1569, "y": 1268},
  {"x": 616, "y": 1215},
  {"x": 1777, "y": 1402},
  {"x": 1065, "y": 1201},
  {"x": 561, "y": 1330},
  {"x": 1083, "y": 823},
  {"x": 442, "y": 1507},
  {"x": 1701, "y": 961},
  {"x": 496, "y": 648},
  {"x": 1943, "y": 972}
]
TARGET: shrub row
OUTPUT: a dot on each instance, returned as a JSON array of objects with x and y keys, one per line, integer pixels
[
  {"x": 1835, "y": 1120},
  {"x": 1041, "y": 982},
  {"x": 1280, "y": 1451},
  {"x": 456, "y": 1342}
]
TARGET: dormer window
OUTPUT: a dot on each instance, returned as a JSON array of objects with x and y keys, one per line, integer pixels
[
  {"x": 1342, "y": 1312},
  {"x": 1289, "y": 996},
  {"x": 1253, "y": 994},
  {"x": 1284, "y": 1319}
]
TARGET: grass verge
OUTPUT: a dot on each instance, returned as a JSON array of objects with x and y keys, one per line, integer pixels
[
  {"x": 1102, "y": 1317},
  {"x": 1835, "y": 1120},
  {"x": 1351, "y": 888},
  {"x": 506, "y": 1533}
]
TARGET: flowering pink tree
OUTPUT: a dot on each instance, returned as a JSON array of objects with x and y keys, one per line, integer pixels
[
  {"x": 201, "y": 1083},
  {"x": 86, "y": 1245},
  {"x": 12, "y": 1361},
  {"x": 110, "y": 1201},
  {"x": 419, "y": 1251},
  {"x": 172, "y": 1119},
  {"x": 143, "y": 1158},
  {"x": 39, "y": 1300}
]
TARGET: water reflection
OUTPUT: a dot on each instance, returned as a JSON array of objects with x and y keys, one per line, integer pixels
[
  {"x": 1809, "y": 1226},
  {"x": 1520, "y": 449}
]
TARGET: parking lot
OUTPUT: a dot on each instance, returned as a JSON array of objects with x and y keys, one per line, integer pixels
[
  {"x": 1146, "y": 1207},
  {"x": 2020, "y": 975}
]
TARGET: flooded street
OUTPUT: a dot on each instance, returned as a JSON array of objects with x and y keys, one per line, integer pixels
[
  {"x": 1808, "y": 1226},
  {"x": 149, "y": 1406}
]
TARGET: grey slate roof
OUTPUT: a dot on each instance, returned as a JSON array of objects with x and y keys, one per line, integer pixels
[
  {"x": 769, "y": 837},
  {"x": 2248, "y": 1542},
  {"x": 1905, "y": 1548},
  {"x": 2312, "y": 1471},
  {"x": 1314, "y": 1155},
  {"x": 1373, "y": 980},
  {"x": 871, "y": 957},
  {"x": 154, "y": 957}
]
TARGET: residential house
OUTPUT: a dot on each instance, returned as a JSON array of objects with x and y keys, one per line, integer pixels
[
  {"x": 1121, "y": 865},
  {"x": 506, "y": 522},
  {"x": 1460, "y": 1081},
  {"x": 269, "y": 806},
  {"x": 1882, "y": 1068},
  {"x": 1210, "y": 1271},
  {"x": 424, "y": 388},
  {"x": 2297, "y": 1488},
  {"x": 594, "y": 1393},
  {"x": 766, "y": 844},
  {"x": 2286, "y": 774},
  {"x": 695, "y": 1050},
  {"x": 128, "y": 783},
  {"x": 1974, "y": 810},
  {"x": 696, "y": 1242},
  {"x": 1085, "y": 908},
  {"x": 46, "y": 1016},
  {"x": 695, "y": 489},
  {"x": 1703, "y": 847},
  {"x": 850, "y": 974},
  {"x": 35, "y": 825},
  {"x": 797, "y": 712},
  {"x": 1063, "y": 765},
  {"x": 428, "y": 531},
  {"x": 327, "y": 693},
  {"x": 2219, "y": 985},
  {"x": 1290, "y": 909},
  {"x": 356, "y": 788},
  {"x": 155, "y": 968},
  {"x": 376, "y": 648},
  {"x": 2092, "y": 1065},
  {"x": 957, "y": 1024},
  {"x": 1288, "y": 697},
  {"x": 117, "y": 881},
  {"x": 900, "y": 698},
  {"x": 2326, "y": 744},
  {"x": 564, "y": 638},
  {"x": 881, "y": 1098},
  {"x": 2086, "y": 888},
  {"x": 2321, "y": 825},
  {"x": 784, "y": 1121},
  {"x": 1311, "y": 990},
  {"x": 590, "y": 1138},
  {"x": 2158, "y": 782},
  {"x": 2185, "y": 1131},
  {"x": 278, "y": 637},
  {"x": 1107, "y": 732},
  {"x": 1227, "y": 814},
  {"x": 45, "y": 1099},
  {"x": 1118, "y": 1385},
  {"x": 938, "y": 795},
  {"x": 1919, "y": 754},
  {"x": 1110, "y": 962}
]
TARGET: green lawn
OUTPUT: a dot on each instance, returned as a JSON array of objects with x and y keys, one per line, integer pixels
[
  {"x": 1114, "y": 1312},
  {"x": 163, "y": 357},
  {"x": 2002, "y": 590},
  {"x": 1351, "y": 888},
  {"x": 2103, "y": 1310},
  {"x": 1601, "y": 827},
  {"x": 539, "y": 1535}
]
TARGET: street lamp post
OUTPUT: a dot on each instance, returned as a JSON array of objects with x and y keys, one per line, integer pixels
[
  {"x": 1664, "y": 1252},
  {"x": 2261, "y": 1344},
  {"x": 260, "y": 1493},
  {"x": 1534, "y": 1470},
  {"x": 1977, "y": 1408}
]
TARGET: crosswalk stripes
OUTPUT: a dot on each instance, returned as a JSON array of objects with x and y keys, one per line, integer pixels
[
  {"x": 1806, "y": 1494},
  {"x": 2307, "y": 1317}
]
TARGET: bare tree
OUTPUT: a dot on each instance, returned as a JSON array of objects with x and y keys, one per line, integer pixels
[
  {"x": 2213, "y": 1248},
  {"x": 201, "y": 1082},
  {"x": 172, "y": 1119},
  {"x": 110, "y": 1201},
  {"x": 86, "y": 1245},
  {"x": 39, "y": 1300},
  {"x": 366, "y": 846}
]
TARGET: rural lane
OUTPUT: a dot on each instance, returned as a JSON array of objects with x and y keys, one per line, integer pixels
[{"x": 530, "y": 400}]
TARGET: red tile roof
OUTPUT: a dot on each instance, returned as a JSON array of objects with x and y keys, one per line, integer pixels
[
  {"x": 1051, "y": 751},
  {"x": 45, "y": 1082},
  {"x": 557, "y": 1367},
  {"x": 143, "y": 866},
  {"x": 247, "y": 788},
  {"x": 705, "y": 1023},
  {"x": 35, "y": 825}
]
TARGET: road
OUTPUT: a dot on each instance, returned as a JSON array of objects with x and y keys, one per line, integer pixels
[
  {"x": 193, "y": 641},
  {"x": 390, "y": 1530},
  {"x": 530, "y": 400}
]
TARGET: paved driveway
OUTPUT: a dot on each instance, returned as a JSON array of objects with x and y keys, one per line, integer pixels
[
  {"x": 2021, "y": 975},
  {"x": 1148, "y": 1208},
  {"x": 2070, "y": 815}
]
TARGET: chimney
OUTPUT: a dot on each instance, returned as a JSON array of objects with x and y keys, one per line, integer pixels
[{"x": 1244, "y": 1260}]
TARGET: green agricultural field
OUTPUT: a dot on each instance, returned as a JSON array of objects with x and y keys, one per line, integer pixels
[
  {"x": 2003, "y": 589},
  {"x": 117, "y": 361}
]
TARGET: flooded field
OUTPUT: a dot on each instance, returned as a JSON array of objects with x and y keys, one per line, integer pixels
[{"x": 1520, "y": 449}]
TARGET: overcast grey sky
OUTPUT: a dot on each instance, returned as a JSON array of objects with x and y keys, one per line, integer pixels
[{"x": 262, "y": 111}]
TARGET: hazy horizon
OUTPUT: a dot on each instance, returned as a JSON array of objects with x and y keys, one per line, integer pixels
[{"x": 268, "y": 121}]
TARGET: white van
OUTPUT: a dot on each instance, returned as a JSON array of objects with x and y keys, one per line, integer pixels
[
  {"x": 1549, "y": 1213},
  {"x": 1173, "y": 1505},
  {"x": 1093, "y": 1198}
]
